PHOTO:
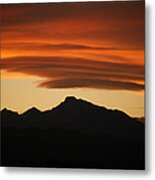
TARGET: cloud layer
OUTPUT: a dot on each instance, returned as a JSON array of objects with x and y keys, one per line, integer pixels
[
  {"x": 67, "y": 72},
  {"x": 76, "y": 45}
]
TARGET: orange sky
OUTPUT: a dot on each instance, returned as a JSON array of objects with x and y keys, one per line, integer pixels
[{"x": 72, "y": 48}]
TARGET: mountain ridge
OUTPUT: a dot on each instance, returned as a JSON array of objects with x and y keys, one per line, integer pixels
[
  {"x": 75, "y": 133},
  {"x": 80, "y": 116},
  {"x": 69, "y": 99}
]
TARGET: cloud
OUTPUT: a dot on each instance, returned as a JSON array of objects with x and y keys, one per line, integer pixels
[
  {"x": 65, "y": 46},
  {"x": 91, "y": 83},
  {"x": 107, "y": 12},
  {"x": 69, "y": 72},
  {"x": 76, "y": 45},
  {"x": 48, "y": 46},
  {"x": 121, "y": 23}
]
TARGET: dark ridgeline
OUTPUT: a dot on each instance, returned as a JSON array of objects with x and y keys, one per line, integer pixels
[{"x": 75, "y": 134}]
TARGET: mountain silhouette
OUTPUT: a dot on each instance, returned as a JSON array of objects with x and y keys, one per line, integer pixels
[
  {"x": 31, "y": 112},
  {"x": 81, "y": 116},
  {"x": 76, "y": 133}
]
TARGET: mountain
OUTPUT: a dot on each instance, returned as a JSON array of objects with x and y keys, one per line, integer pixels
[
  {"x": 9, "y": 118},
  {"x": 80, "y": 116},
  {"x": 32, "y": 112},
  {"x": 76, "y": 134}
]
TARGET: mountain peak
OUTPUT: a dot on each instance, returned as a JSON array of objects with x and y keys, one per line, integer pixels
[
  {"x": 70, "y": 99},
  {"x": 32, "y": 110},
  {"x": 5, "y": 110}
]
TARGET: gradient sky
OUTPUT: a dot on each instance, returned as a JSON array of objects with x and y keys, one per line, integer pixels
[{"x": 93, "y": 51}]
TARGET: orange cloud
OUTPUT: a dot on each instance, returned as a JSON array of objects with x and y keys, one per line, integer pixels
[
  {"x": 91, "y": 83},
  {"x": 58, "y": 68},
  {"x": 92, "y": 45},
  {"x": 119, "y": 23}
]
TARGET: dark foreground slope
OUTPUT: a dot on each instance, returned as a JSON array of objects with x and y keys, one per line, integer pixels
[{"x": 75, "y": 134}]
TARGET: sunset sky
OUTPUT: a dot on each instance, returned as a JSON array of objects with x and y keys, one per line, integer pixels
[{"x": 94, "y": 51}]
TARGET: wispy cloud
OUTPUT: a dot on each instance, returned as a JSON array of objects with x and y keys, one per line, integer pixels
[
  {"x": 69, "y": 72},
  {"x": 65, "y": 46},
  {"x": 72, "y": 45},
  {"x": 121, "y": 23},
  {"x": 91, "y": 83}
]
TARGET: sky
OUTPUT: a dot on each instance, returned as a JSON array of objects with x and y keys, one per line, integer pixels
[{"x": 94, "y": 51}]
